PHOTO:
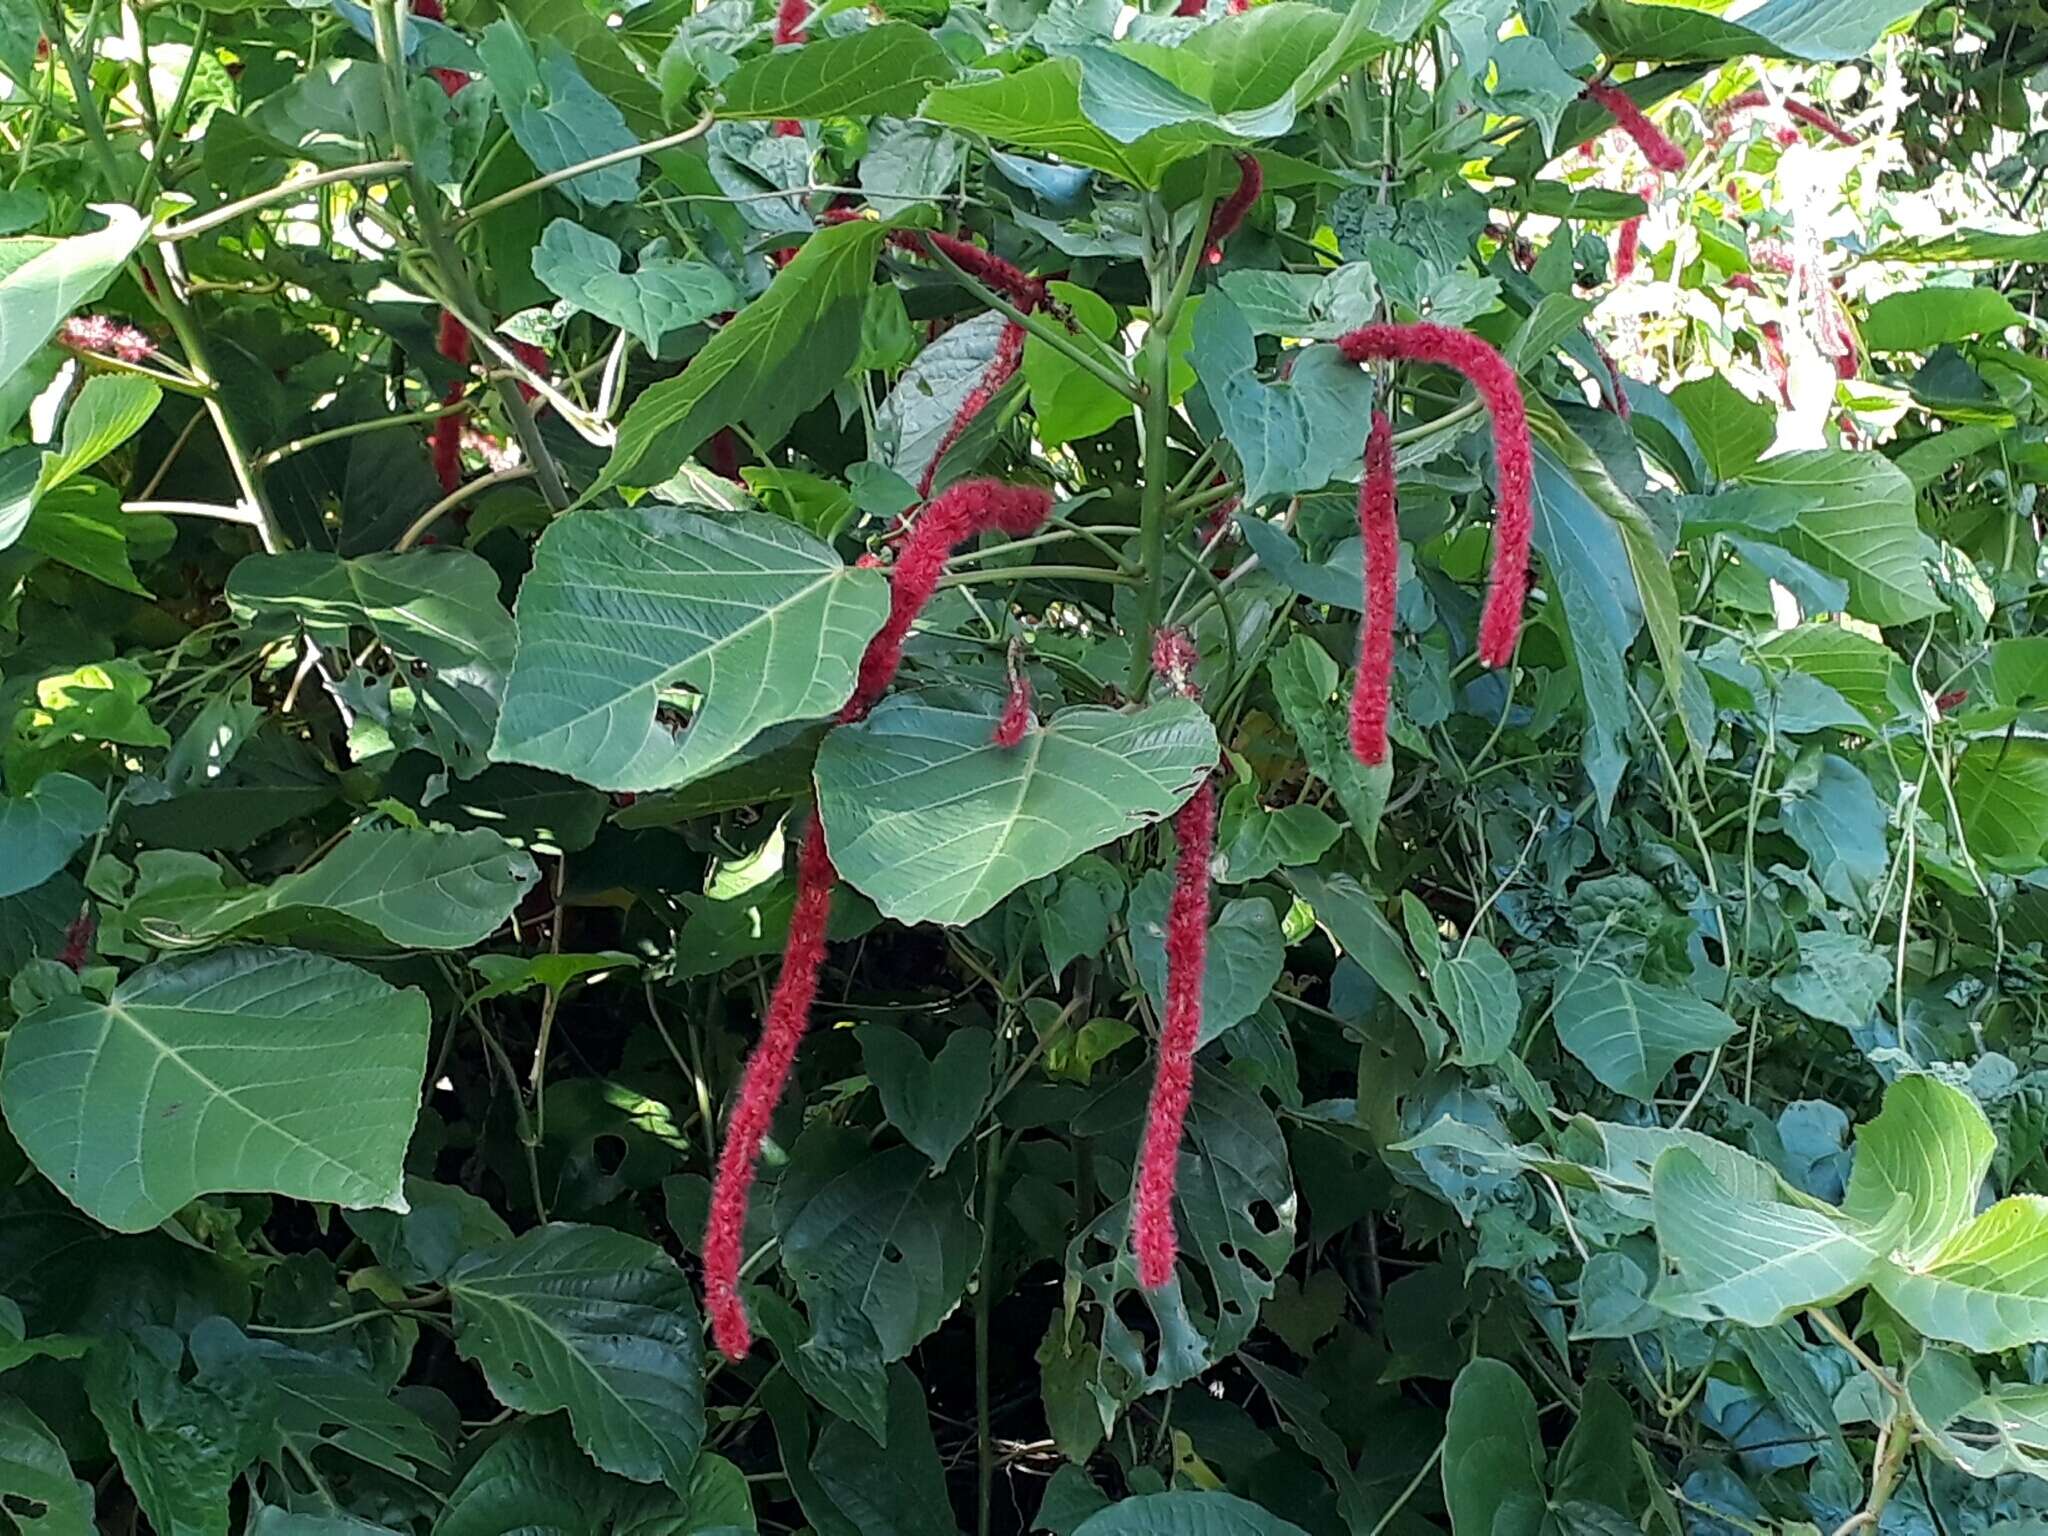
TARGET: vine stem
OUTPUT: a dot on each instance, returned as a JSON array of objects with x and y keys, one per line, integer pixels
[
  {"x": 525, "y": 189},
  {"x": 984, "y": 1305},
  {"x": 456, "y": 498},
  {"x": 375, "y": 170},
  {"x": 446, "y": 257}
]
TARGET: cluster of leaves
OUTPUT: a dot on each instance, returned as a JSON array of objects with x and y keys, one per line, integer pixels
[{"x": 1621, "y": 1110}]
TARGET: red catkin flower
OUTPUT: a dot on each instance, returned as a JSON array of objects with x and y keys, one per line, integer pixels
[
  {"x": 722, "y": 454},
  {"x": 1016, "y": 716},
  {"x": 1002, "y": 367},
  {"x": 1227, "y": 215},
  {"x": 536, "y": 361},
  {"x": 445, "y": 440},
  {"x": 1187, "y": 944},
  {"x": 1805, "y": 112},
  {"x": 106, "y": 336},
  {"x": 78, "y": 941},
  {"x": 761, "y": 1085},
  {"x": 1626, "y": 248},
  {"x": 1021, "y": 289},
  {"x": 1493, "y": 377},
  {"x": 1742, "y": 282},
  {"x": 1650, "y": 139},
  {"x": 1950, "y": 702},
  {"x": 790, "y": 19},
  {"x": 1775, "y": 360},
  {"x": 964, "y": 510},
  {"x": 1188, "y": 8},
  {"x": 1372, "y": 693},
  {"x": 1769, "y": 256}
]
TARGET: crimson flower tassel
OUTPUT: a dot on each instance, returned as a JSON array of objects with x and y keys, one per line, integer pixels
[
  {"x": 1626, "y": 248},
  {"x": 445, "y": 441},
  {"x": 790, "y": 19},
  {"x": 1371, "y": 697},
  {"x": 1805, "y": 112},
  {"x": 1650, "y": 139},
  {"x": 964, "y": 510},
  {"x": 1227, "y": 215},
  {"x": 1187, "y": 945},
  {"x": 1188, "y": 8},
  {"x": 1493, "y": 377},
  {"x": 1016, "y": 716},
  {"x": 1002, "y": 367}
]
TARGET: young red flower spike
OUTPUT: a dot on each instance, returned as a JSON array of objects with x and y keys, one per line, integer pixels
[
  {"x": 1626, "y": 247},
  {"x": 977, "y": 506},
  {"x": 1371, "y": 693},
  {"x": 1002, "y": 367},
  {"x": 445, "y": 440},
  {"x": 1227, "y": 215},
  {"x": 1188, "y": 8},
  {"x": 1016, "y": 716},
  {"x": 1650, "y": 139},
  {"x": 761, "y": 1085},
  {"x": 1187, "y": 943},
  {"x": 791, "y": 19},
  {"x": 1493, "y": 377},
  {"x": 1806, "y": 113},
  {"x": 986, "y": 267},
  {"x": 106, "y": 336}
]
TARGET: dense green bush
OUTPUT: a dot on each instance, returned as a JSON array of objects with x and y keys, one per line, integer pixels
[{"x": 452, "y": 468}]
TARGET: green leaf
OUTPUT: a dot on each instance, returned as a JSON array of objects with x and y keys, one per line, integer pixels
[
  {"x": 743, "y": 621},
  {"x": 80, "y": 524},
  {"x": 1840, "y": 822},
  {"x": 42, "y": 281},
  {"x": 1630, "y": 1034},
  {"x": 557, "y": 116},
  {"x": 1068, "y": 401},
  {"x": 1853, "y": 518},
  {"x": 886, "y": 68},
  {"x": 35, "y": 1472},
  {"x": 1476, "y": 990},
  {"x": 1305, "y": 683},
  {"x": 1493, "y": 1451},
  {"x": 1296, "y": 435},
  {"x": 776, "y": 359},
  {"x": 903, "y": 1493},
  {"x": 401, "y": 887},
  {"x": 1986, "y": 1287},
  {"x": 1922, "y": 320},
  {"x": 656, "y": 302},
  {"x": 109, "y": 410},
  {"x": 1737, "y": 1257},
  {"x": 1240, "y": 965},
  {"x": 1186, "y": 1513},
  {"x": 2001, "y": 790},
  {"x": 936, "y": 823},
  {"x": 1840, "y": 978},
  {"x": 1354, "y": 920},
  {"x": 533, "y": 1481},
  {"x": 436, "y": 610},
  {"x": 41, "y": 830},
  {"x": 246, "y": 1070},
  {"x": 935, "y": 1102},
  {"x": 1731, "y": 429},
  {"x": 879, "y": 1249},
  {"x": 1039, "y": 108},
  {"x": 1929, "y": 1146},
  {"x": 1782, "y": 29},
  {"x": 599, "y": 1323},
  {"x": 1955, "y": 245}
]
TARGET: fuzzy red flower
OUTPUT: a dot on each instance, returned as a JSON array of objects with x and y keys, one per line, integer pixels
[
  {"x": 1626, "y": 247},
  {"x": 1775, "y": 360},
  {"x": 445, "y": 439},
  {"x": 106, "y": 336},
  {"x": 536, "y": 361},
  {"x": 1493, "y": 377},
  {"x": 1650, "y": 139},
  {"x": 1227, "y": 215},
  {"x": 791, "y": 17},
  {"x": 974, "y": 507},
  {"x": 1805, "y": 112},
  {"x": 1371, "y": 694},
  {"x": 1187, "y": 942},
  {"x": 1016, "y": 716},
  {"x": 1002, "y": 367}
]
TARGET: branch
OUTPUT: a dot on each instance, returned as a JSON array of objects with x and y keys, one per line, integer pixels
[
  {"x": 373, "y": 171},
  {"x": 491, "y": 205}
]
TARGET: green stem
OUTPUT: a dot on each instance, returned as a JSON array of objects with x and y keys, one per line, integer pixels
[
  {"x": 1037, "y": 325},
  {"x": 152, "y": 174},
  {"x": 984, "y": 1304},
  {"x": 1044, "y": 572},
  {"x": 442, "y": 251}
]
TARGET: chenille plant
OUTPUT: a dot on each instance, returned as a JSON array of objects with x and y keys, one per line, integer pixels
[{"x": 1203, "y": 769}]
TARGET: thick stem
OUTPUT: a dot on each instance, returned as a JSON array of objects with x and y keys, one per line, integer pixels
[
  {"x": 984, "y": 1305},
  {"x": 442, "y": 251}
]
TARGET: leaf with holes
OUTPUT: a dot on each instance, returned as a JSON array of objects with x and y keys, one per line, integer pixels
[{"x": 630, "y": 618}]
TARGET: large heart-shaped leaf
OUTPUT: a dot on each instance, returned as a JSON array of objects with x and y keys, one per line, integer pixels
[
  {"x": 743, "y": 622},
  {"x": 41, "y": 830},
  {"x": 886, "y": 68},
  {"x": 556, "y": 115},
  {"x": 532, "y": 1481},
  {"x": 1929, "y": 1144},
  {"x": 599, "y": 1323},
  {"x": 1493, "y": 1450},
  {"x": 656, "y": 302},
  {"x": 934, "y": 822},
  {"x": 1986, "y": 1287},
  {"x": 1630, "y": 1033},
  {"x": 408, "y": 887},
  {"x": 1186, "y": 1513},
  {"x": 1853, "y": 518},
  {"x": 1785, "y": 29},
  {"x": 935, "y": 1102},
  {"x": 246, "y": 1070}
]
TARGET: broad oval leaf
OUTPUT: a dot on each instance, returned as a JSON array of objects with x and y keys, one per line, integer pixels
[
  {"x": 1493, "y": 1449},
  {"x": 753, "y": 616},
  {"x": 1853, "y": 518},
  {"x": 929, "y": 818},
  {"x": 599, "y": 1323},
  {"x": 242, "y": 1071},
  {"x": 41, "y": 830},
  {"x": 1629, "y": 1033},
  {"x": 886, "y": 68},
  {"x": 1986, "y": 1287},
  {"x": 1929, "y": 1145},
  {"x": 1186, "y": 1513},
  {"x": 1476, "y": 990}
]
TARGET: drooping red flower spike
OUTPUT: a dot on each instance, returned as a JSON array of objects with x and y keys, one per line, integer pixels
[
  {"x": 1371, "y": 695},
  {"x": 1002, "y": 367},
  {"x": 1227, "y": 215},
  {"x": 791, "y": 17},
  {"x": 1626, "y": 247},
  {"x": 1493, "y": 377},
  {"x": 1775, "y": 359},
  {"x": 1650, "y": 139},
  {"x": 963, "y": 511},
  {"x": 1016, "y": 716},
  {"x": 1805, "y": 112},
  {"x": 1187, "y": 945},
  {"x": 445, "y": 440},
  {"x": 1188, "y": 8},
  {"x": 106, "y": 336},
  {"x": 985, "y": 267}
]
